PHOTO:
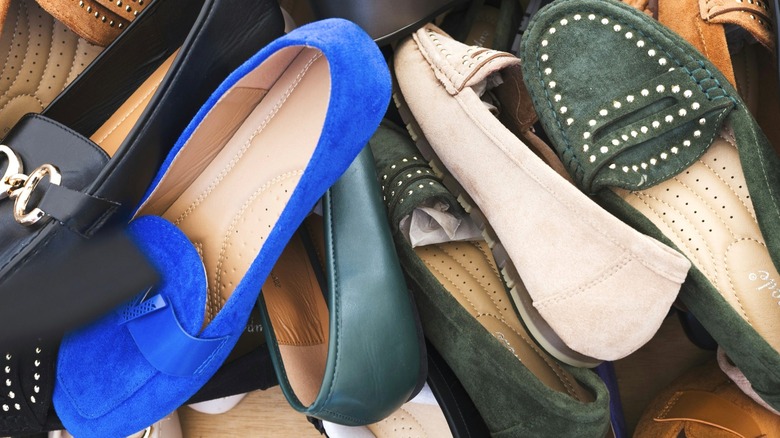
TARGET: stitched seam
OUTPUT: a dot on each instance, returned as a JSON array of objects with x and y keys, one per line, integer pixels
[
  {"x": 130, "y": 112},
  {"x": 8, "y": 57},
  {"x": 225, "y": 171},
  {"x": 217, "y": 289},
  {"x": 565, "y": 295},
  {"x": 728, "y": 275},
  {"x": 72, "y": 68},
  {"x": 731, "y": 189},
  {"x": 17, "y": 96},
  {"x": 669, "y": 405}
]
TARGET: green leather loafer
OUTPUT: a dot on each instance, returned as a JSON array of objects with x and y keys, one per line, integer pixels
[{"x": 346, "y": 344}]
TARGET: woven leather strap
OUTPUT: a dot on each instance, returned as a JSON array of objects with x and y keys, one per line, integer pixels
[{"x": 97, "y": 21}]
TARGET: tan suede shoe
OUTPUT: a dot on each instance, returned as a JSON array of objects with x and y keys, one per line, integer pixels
[{"x": 589, "y": 287}]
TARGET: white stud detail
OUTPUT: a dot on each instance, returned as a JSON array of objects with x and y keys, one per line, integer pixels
[
  {"x": 591, "y": 17},
  {"x": 563, "y": 110},
  {"x": 687, "y": 93},
  {"x": 7, "y": 357},
  {"x": 651, "y": 53},
  {"x": 592, "y": 158},
  {"x": 697, "y": 133},
  {"x": 662, "y": 61},
  {"x": 669, "y": 119},
  {"x": 37, "y": 376},
  {"x": 644, "y": 165},
  {"x": 616, "y": 28},
  {"x": 37, "y": 363},
  {"x": 557, "y": 97},
  {"x": 5, "y": 408},
  {"x": 545, "y": 57},
  {"x": 604, "y": 149},
  {"x": 629, "y": 35},
  {"x": 552, "y": 30},
  {"x": 603, "y": 112},
  {"x": 585, "y": 148},
  {"x": 7, "y": 382},
  {"x": 604, "y": 21},
  {"x": 656, "y": 124},
  {"x": 624, "y": 137},
  {"x": 577, "y": 17},
  {"x": 393, "y": 166},
  {"x": 629, "y": 98},
  {"x": 687, "y": 143},
  {"x": 569, "y": 121},
  {"x": 17, "y": 407},
  {"x": 592, "y": 123},
  {"x": 634, "y": 134},
  {"x": 7, "y": 369},
  {"x": 645, "y": 92},
  {"x": 612, "y": 166},
  {"x": 682, "y": 112},
  {"x": 675, "y": 88},
  {"x": 37, "y": 389},
  {"x": 564, "y": 22},
  {"x": 616, "y": 104},
  {"x": 653, "y": 161},
  {"x": 635, "y": 168},
  {"x": 643, "y": 129},
  {"x": 411, "y": 192},
  {"x": 671, "y": 69},
  {"x": 640, "y": 43},
  {"x": 702, "y": 121},
  {"x": 615, "y": 142},
  {"x": 32, "y": 398},
  {"x": 625, "y": 169},
  {"x": 586, "y": 135},
  {"x": 660, "y": 88},
  {"x": 664, "y": 155},
  {"x": 552, "y": 84},
  {"x": 675, "y": 149},
  {"x": 11, "y": 394},
  {"x": 547, "y": 71},
  {"x": 695, "y": 106},
  {"x": 545, "y": 43}
]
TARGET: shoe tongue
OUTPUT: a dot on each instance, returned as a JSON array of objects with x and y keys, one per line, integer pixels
[
  {"x": 406, "y": 179},
  {"x": 97, "y": 21},
  {"x": 458, "y": 65}
]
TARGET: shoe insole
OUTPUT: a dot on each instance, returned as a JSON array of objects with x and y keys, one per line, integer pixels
[
  {"x": 413, "y": 420},
  {"x": 468, "y": 271},
  {"x": 707, "y": 212},
  {"x": 115, "y": 129},
  {"x": 299, "y": 317},
  {"x": 241, "y": 165},
  {"x": 42, "y": 56}
]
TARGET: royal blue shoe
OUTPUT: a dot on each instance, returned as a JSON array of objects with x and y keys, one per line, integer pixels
[{"x": 246, "y": 171}]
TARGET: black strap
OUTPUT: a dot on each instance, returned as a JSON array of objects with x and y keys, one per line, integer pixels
[{"x": 80, "y": 212}]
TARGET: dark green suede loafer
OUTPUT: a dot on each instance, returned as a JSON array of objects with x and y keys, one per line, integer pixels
[
  {"x": 346, "y": 344},
  {"x": 467, "y": 314},
  {"x": 647, "y": 125}
]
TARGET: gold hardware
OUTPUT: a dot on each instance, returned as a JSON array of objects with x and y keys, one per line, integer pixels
[
  {"x": 24, "y": 193},
  {"x": 14, "y": 168}
]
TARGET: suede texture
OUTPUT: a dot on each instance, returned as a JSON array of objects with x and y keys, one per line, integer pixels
[
  {"x": 509, "y": 397},
  {"x": 104, "y": 386},
  {"x": 750, "y": 352},
  {"x": 546, "y": 225}
]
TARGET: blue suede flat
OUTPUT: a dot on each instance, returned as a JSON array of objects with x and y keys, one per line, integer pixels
[{"x": 246, "y": 171}]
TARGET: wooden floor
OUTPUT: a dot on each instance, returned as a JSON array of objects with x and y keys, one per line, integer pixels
[{"x": 260, "y": 414}]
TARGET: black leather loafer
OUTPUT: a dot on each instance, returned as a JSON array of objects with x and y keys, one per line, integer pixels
[{"x": 99, "y": 144}]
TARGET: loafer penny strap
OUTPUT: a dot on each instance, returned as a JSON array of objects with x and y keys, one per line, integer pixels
[
  {"x": 163, "y": 341},
  {"x": 97, "y": 21},
  {"x": 674, "y": 117},
  {"x": 709, "y": 409}
]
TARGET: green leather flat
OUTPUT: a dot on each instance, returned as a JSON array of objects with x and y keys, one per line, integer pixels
[{"x": 339, "y": 320}]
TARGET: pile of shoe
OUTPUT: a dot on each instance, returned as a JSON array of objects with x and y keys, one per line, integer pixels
[{"x": 513, "y": 221}]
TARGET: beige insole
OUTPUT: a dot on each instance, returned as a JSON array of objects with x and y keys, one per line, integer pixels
[
  {"x": 415, "y": 420},
  {"x": 706, "y": 211},
  {"x": 227, "y": 199},
  {"x": 468, "y": 271},
  {"x": 42, "y": 56},
  {"x": 114, "y": 130}
]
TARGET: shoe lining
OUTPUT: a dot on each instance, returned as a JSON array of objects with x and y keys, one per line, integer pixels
[
  {"x": 42, "y": 57},
  {"x": 469, "y": 272},
  {"x": 413, "y": 420},
  {"x": 242, "y": 165},
  {"x": 707, "y": 212}
]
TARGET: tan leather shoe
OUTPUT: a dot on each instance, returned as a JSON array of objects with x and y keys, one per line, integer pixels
[{"x": 586, "y": 279}]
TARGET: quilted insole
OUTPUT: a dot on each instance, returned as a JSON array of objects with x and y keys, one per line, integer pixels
[
  {"x": 468, "y": 271},
  {"x": 413, "y": 420},
  {"x": 41, "y": 57},
  {"x": 707, "y": 212},
  {"x": 232, "y": 204}
]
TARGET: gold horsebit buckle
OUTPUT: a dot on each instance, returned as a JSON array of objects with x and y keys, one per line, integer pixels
[{"x": 17, "y": 185}]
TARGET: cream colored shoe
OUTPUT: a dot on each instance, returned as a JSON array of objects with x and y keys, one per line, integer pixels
[{"x": 588, "y": 286}]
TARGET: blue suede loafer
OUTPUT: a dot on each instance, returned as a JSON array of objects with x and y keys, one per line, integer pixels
[{"x": 240, "y": 180}]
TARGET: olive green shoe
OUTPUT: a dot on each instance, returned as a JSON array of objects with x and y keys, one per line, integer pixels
[
  {"x": 467, "y": 313},
  {"x": 647, "y": 125}
]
